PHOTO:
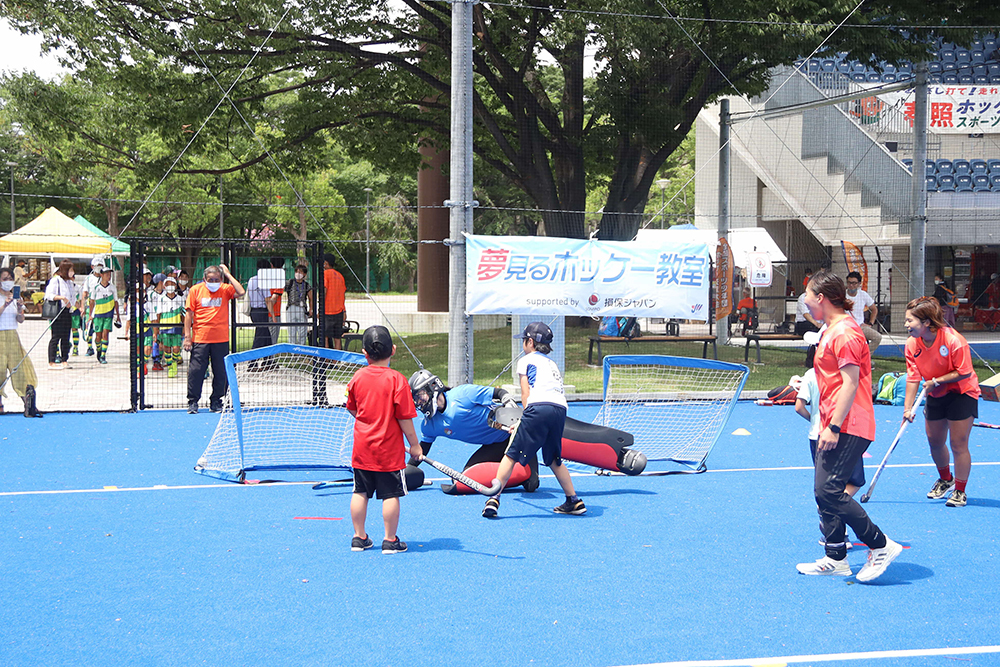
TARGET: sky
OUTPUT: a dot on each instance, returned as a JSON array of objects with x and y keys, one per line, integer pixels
[{"x": 19, "y": 52}]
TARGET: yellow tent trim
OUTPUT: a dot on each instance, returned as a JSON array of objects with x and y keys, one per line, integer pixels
[{"x": 54, "y": 233}]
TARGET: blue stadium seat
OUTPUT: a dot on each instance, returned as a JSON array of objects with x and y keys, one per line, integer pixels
[
  {"x": 944, "y": 167},
  {"x": 994, "y": 78},
  {"x": 980, "y": 79},
  {"x": 993, "y": 166},
  {"x": 949, "y": 77},
  {"x": 981, "y": 181},
  {"x": 981, "y": 188},
  {"x": 994, "y": 68},
  {"x": 908, "y": 163},
  {"x": 978, "y": 167},
  {"x": 963, "y": 183},
  {"x": 981, "y": 70},
  {"x": 814, "y": 66},
  {"x": 873, "y": 77},
  {"x": 903, "y": 76},
  {"x": 989, "y": 45},
  {"x": 965, "y": 79},
  {"x": 829, "y": 66},
  {"x": 930, "y": 168},
  {"x": 889, "y": 68},
  {"x": 963, "y": 56},
  {"x": 843, "y": 67},
  {"x": 932, "y": 183},
  {"x": 976, "y": 45},
  {"x": 961, "y": 167},
  {"x": 949, "y": 67},
  {"x": 934, "y": 67},
  {"x": 933, "y": 78},
  {"x": 978, "y": 56},
  {"x": 995, "y": 182},
  {"x": 858, "y": 77},
  {"x": 946, "y": 56},
  {"x": 857, "y": 66},
  {"x": 945, "y": 183},
  {"x": 889, "y": 77}
]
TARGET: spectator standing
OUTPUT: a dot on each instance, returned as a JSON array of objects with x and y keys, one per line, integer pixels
[
  {"x": 13, "y": 359},
  {"x": 333, "y": 307},
  {"x": 258, "y": 307},
  {"x": 104, "y": 305},
  {"x": 206, "y": 334},
  {"x": 299, "y": 293},
  {"x": 274, "y": 302},
  {"x": 21, "y": 276},
  {"x": 62, "y": 290},
  {"x": 94, "y": 277},
  {"x": 946, "y": 297},
  {"x": 865, "y": 311}
]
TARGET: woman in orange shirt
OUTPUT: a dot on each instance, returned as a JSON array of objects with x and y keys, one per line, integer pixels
[
  {"x": 843, "y": 372},
  {"x": 941, "y": 356}
]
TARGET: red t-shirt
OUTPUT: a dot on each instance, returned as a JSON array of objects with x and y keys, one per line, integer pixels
[
  {"x": 379, "y": 396},
  {"x": 745, "y": 303},
  {"x": 844, "y": 344},
  {"x": 211, "y": 313},
  {"x": 949, "y": 352},
  {"x": 333, "y": 284}
]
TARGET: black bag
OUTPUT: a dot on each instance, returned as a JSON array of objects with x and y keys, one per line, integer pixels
[{"x": 50, "y": 309}]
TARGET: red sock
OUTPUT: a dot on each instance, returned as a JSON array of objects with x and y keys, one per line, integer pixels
[
  {"x": 945, "y": 473},
  {"x": 960, "y": 484}
]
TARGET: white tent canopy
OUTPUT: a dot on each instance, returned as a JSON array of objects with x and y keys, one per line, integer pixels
[{"x": 742, "y": 241}]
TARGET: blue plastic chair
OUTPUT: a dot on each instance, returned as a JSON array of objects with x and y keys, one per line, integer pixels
[
  {"x": 978, "y": 56},
  {"x": 874, "y": 77},
  {"x": 858, "y": 66},
  {"x": 993, "y": 166},
  {"x": 962, "y": 182},
  {"x": 944, "y": 167},
  {"x": 829, "y": 66},
  {"x": 961, "y": 167},
  {"x": 965, "y": 79},
  {"x": 932, "y": 183},
  {"x": 815, "y": 66},
  {"x": 981, "y": 188},
  {"x": 994, "y": 78},
  {"x": 945, "y": 183},
  {"x": 963, "y": 56},
  {"x": 888, "y": 77},
  {"x": 934, "y": 67},
  {"x": 858, "y": 77},
  {"x": 930, "y": 168},
  {"x": 980, "y": 79},
  {"x": 946, "y": 56},
  {"x": 949, "y": 67},
  {"x": 995, "y": 182},
  {"x": 978, "y": 167}
]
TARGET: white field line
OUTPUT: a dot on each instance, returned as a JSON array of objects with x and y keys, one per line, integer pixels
[{"x": 782, "y": 661}]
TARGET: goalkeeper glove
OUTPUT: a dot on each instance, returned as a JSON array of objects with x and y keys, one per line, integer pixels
[{"x": 508, "y": 401}]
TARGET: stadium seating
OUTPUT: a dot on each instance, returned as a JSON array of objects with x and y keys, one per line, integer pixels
[
  {"x": 993, "y": 166},
  {"x": 945, "y": 183},
  {"x": 961, "y": 167},
  {"x": 944, "y": 167},
  {"x": 963, "y": 183},
  {"x": 978, "y": 167}
]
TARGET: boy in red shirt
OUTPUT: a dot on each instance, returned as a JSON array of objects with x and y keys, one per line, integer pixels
[{"x": 380, "y": 400}]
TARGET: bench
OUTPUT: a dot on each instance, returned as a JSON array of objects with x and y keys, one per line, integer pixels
[
  {"x": 755, "y": 338},
  {"x": 688, "y": 338}
]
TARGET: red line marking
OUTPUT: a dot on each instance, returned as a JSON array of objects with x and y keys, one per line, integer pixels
[{"x": 320, "y": 518}]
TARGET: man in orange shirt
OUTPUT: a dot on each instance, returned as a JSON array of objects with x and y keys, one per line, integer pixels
[
  {"x": 333, "y": 307},
  {"x": 206, "y": 334}
]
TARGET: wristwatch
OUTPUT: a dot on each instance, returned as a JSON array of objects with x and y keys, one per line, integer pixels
[{"x": 834, "y": 428}]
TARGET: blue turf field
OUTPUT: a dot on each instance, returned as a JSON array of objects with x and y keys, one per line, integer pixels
[{"x": 660, "y": 570}]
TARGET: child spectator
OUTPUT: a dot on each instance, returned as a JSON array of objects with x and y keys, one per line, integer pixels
[
  {"x": 379, "y": 398},
  {"x": 103, "y": 304},
  {"x": 171, "y": 325},
  {"x": 542, "y": 422}
]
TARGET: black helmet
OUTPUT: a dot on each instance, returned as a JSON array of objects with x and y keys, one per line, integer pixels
[{"x": 425, "y": 387}]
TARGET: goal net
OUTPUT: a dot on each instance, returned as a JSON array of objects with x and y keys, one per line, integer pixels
[
  {"x": 675, "y": 407},
  {"x": 284, "y": 411}
]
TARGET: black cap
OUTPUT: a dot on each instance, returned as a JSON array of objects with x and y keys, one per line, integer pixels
[
  {"x": 377, "y": 342},
  {"x": 538, "y": 332}
]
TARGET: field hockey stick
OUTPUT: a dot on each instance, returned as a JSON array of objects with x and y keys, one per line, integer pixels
[
  {"x": 468, "y": 481},
  {"x": 332, "y": 484},
  {"x": 985, "y": 425},
  {"x": 902, "y": 428}
]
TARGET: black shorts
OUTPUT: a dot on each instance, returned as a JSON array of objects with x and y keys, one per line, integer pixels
[
  {"x": 385, "y": 484},
  {"x": 541, "y": 428},
  {"x": 334, "y": 325},
  {"x": 952, "y": 406}
]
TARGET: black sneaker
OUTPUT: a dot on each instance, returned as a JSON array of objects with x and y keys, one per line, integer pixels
[
  {"x": 571, "y": 507},
  {"x": 192, "y": 408},
  {"x": 492, "y": 507},
  {"x": 362, "y": 543},
  {"x": 90, "y": 352},
  {"x": 29, "y": 401},
  {"x": 394, "y": 547},
  {"x": 216, "y": 408}
]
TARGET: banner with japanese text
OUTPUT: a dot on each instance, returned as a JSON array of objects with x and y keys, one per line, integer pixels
[
  {"x": 952, "y": 108},
  {"x": 855, "y": 260},
  {"x": 723, "y": 280},
  {"x": 528, "y": 275}
]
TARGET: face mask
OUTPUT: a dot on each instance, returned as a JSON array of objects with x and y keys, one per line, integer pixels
[
  {"x": 183, "y": 282},
  {"x": 300, "y": 276},
  {"x": 7, "y": 285},
  {"x": 170, "y": 289},
  {"x": 938, "y": 282},
  {"x": 213, "y": 287}
]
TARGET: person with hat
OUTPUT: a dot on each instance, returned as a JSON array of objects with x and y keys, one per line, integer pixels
[
  {"x": 542, "y": 421},
  {"x": 378, "y": 397},
  {"x": 171, "y": 319},
  {"x": 89, "y": 283},
  {"x": 151, "y": 316},
  {"x": 103, "y": 304}
]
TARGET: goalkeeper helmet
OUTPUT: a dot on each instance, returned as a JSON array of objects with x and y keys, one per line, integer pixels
[{"x": 426, "y": 387}]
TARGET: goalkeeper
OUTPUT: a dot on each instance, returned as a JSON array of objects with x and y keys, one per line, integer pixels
[{"x": 463, "y": 414}]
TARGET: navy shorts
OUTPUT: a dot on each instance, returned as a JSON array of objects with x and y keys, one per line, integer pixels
[
  {"x": 385, "y": 484},
  {"x": 541, "y": 428},
  {"x": 857, "y": 477},
  {"x": 952, "y": 406}
]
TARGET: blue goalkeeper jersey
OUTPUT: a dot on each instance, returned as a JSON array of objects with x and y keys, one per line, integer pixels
[{"x": 465, "y": 417}]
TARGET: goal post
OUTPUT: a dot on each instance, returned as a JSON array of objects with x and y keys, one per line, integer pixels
[
  {"x": 674, "y": 407},
  {"x": 285, "y": 410}
]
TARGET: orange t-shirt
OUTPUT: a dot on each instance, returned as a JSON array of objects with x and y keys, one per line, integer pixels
[
  {"x": 335, "y": 288},
  {"x": 949, "y": 352},
  {"x": 844, "y": 344},
  {"x": 745, "y": 303},
  {"x": 211, "y": 313},
  {"x": 276, "y": 309}
]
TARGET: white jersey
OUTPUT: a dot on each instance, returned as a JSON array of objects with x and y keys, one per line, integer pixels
[
  {"x": 89, "y": 283},
  {"x": 544, "y": 379},
  {"x": 861, "y": 300},
  {"x": 809, "y": 392}
]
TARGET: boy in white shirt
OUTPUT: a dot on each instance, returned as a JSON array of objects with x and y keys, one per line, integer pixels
[{"x": 542, "y": 421}]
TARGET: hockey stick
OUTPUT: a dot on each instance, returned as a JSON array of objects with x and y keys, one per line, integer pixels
[
  {"x": 902, "y": 428},
  {"x": 331, "y": 484},
  {"x": 469, "y": 482},
  {"x": 985, "y": 425}
]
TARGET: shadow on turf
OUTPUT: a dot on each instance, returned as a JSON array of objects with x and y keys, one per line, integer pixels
[
  {"x": 900, "y": 574},
  {"x": 453, "y": 544}
]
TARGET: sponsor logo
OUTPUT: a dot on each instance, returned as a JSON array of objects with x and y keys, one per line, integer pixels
[
  {"x": 593, "y": 299},
  {"x": 696, "y": 307},
  {"x": 943, "y": 350}
]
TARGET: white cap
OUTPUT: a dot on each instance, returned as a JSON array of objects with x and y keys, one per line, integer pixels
[
  {"x": 97, "y": 261},
  {"x": 146, "y": 270}
]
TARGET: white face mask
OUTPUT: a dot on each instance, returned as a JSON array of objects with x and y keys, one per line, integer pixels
[
  {"x": 938, "y": 282},
  {"x": 7, "y": 285},
  {"x": 171, "y": 289},
  {"x": 213, "y": 287},
  {"x": 300, "y": 276},
  {"x": 183, "y": 282}
]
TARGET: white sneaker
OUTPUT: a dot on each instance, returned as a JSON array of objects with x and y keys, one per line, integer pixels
[
  {"x": 826, "y": 565},
  {"x": 879, "y": 559}
]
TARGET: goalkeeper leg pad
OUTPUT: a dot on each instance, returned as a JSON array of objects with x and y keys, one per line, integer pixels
[
  {"x": 601, "y": 447},
  {"x": 494, "y": 453},
  {"x": 485, "y": 473}
]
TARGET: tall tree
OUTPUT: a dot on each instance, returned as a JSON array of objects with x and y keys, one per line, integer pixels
[{"x": 376, "y": 74}]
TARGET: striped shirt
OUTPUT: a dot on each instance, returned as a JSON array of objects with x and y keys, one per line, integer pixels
[{"x": 104, "y": 299}]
